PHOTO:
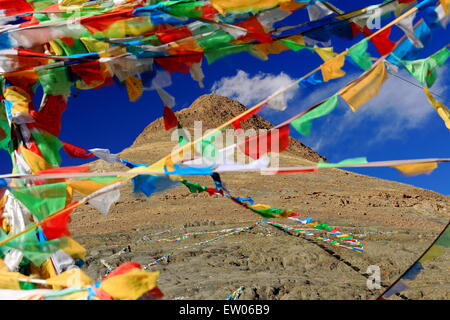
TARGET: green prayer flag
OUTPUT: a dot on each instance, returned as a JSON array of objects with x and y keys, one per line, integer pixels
[
  {"x": 49, "y": 146},
  {"x": 215, "y": 40},
  {"x": 267, "y": 213},
  {"x": 5, "y": 130},
  {"x": 42, "y": 200},
  {"x": 67, "y": 50},
  {"x": 225, "y": 50},
  {"x": 444, "y": 239},
  {"x": 29, "y": 245},
  {"x": 425, "y": 70},
  {"x": 358, "y": 53},
  {"x": 323, "y": 164},
  {"x": 184, "y": 9},
  {"x": 194, "y": 187},
  {"x": 55, "y": 81},
  {"x": 303, "y": 124},
  {"x": 294, "y": 46}
]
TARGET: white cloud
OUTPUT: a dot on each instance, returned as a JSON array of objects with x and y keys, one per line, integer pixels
[
  {"x": 398, "y": 108},
  {"x": 251, "y": 90}
]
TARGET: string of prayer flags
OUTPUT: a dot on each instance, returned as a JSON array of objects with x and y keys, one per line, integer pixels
[
  {"x": 127, "y": 282},
  {"x": 443, "y": 111},
  {"x": 140, "y": 45},
  {"x": 361, "y": 90}
]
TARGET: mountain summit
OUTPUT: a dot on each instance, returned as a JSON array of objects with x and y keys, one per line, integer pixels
[{"x": 213, "y": 110}]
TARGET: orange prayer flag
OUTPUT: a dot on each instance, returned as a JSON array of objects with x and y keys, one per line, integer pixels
[
  {"x": 361, "y": 90},
  {"x": 416, "y": 168},
  {"x": 332, "y": 68},
  {"x": 443, "y": 111}
]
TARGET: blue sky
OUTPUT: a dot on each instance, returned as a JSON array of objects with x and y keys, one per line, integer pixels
[{"x": 398, "y": 124}]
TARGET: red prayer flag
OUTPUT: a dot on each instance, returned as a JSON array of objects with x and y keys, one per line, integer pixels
[
  {"x": 90, "y": 72},
  {"x": 123, "y": 268},
  {"x": 102, "y": 22},
  {"x": 170, "y": 119},
  {"x": 180, "y": 63},
  {"x": 255, "y": 30},
  {"x": 58, "y": 227},
  {"x": 76, "y": 152},
  {"x": 15, "y": 7},
  {"x": 295, "y": 171},
  {"x": 49, "y": 117},
  {"x": 175, "y": 34},
  {"x": 381, "y": 41},
  {"x": 275, "y": 140},
  {"x": 73, "y": 169}
]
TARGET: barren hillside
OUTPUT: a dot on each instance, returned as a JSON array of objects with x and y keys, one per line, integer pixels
[{"x": 270, "y": 263}]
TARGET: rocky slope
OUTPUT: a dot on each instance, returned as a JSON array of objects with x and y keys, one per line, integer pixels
[{"x": 269, "y": 263}]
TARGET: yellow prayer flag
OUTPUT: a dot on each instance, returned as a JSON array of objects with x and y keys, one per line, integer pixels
[
  {"x": 85, "y": 187},
  {"x": 325, "y": 53},
  {"x": 275, "y": 47},
  {"x": 94, "y": 45},
  {"x": 190, "y": 45},
  {"x": 9, "y": 280},
  {"x": 72, "y": 2},
  {"x": 3, "y": 266},
  {"x": 55, "y": 48},
  {"x": 131, "y": 285},
  {"x": 260, "y": 206},
  {"x": 137, "y": 26},
  {"x": 361, "y": 90},
  {"x": 74, "y": 249},
  {"x": 443, "y": 111},
  {"x": 434, "y": 252},
  {"x": 291, "y": 5},
  {"x": 416, "y": 168},
  {"x": 331, "y": 69},
  {"x": 35, "y": 162},
  {"x": 19, "y": 98},
  {"x": 70, "y": 278},
  {"x": 225, "y": 6},
  {"x": 446, "y": 5},
  {"x": 134, "y": 88}
]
